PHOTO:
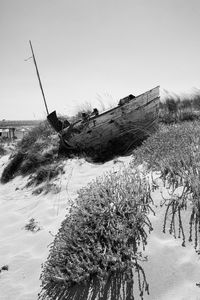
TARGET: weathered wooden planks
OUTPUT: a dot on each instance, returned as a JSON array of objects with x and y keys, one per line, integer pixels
[{"x": 132, "y": 121}]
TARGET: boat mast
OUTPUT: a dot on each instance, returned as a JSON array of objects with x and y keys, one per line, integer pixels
[{"x": 38, "y": 75}]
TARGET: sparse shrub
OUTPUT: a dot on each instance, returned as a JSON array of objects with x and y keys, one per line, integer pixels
[
  {"x": 45, "y": 173},
  {"x": 4, "y": 268},
  {"x": 2, "y": 150},
  {"x": 46, "y": 188},
  {"x": 98, "y": 246},
  {"x": 32, "y": 226}
]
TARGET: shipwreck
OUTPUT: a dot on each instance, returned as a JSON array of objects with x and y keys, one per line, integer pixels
[{"x": 115, "y": 131}]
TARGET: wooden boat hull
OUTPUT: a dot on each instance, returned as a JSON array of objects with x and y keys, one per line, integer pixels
[{"x": 117, "y": 129}]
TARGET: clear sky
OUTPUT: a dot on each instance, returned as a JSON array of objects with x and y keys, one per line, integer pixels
[{"x": 86, "y": 49}]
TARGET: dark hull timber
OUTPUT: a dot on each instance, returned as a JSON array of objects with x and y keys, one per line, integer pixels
[{"x": 117, "y": 130}]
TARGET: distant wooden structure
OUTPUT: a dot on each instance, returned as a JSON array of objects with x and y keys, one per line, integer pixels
[
  {"x": 9, "y": 129},
  {"x": 8, "y": 133}
]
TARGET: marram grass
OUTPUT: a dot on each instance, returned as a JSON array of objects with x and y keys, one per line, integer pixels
[
  {"x": 175, "y": 109},
  {"x": 97, "y": 251},
  {"x": 36, "y": 153},
  {"x": 175, "y": 152}
]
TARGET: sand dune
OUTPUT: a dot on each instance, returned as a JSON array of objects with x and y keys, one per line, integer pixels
[{"x": 172, "y": 271}]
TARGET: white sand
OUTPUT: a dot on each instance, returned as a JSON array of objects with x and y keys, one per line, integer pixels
[{"x": 172, "y": 271}]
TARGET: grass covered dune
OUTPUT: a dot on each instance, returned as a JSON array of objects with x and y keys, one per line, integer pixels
[
  {"x": 174, "y": 151},
  {"x": 97, "y": 251},
  {"x": 36, "y": 156}
]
